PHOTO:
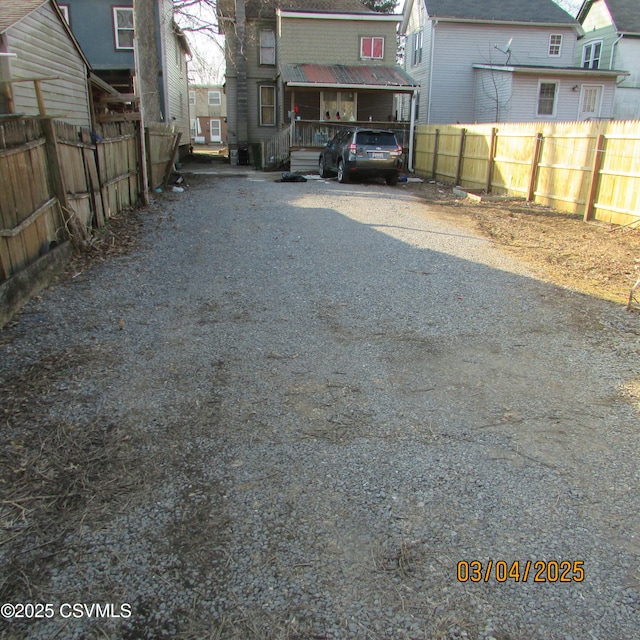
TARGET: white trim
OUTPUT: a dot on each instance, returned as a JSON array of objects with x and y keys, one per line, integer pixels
[
  {"x": 116, "y": 29},
  {"x": 559, "y": 45},
  {"x": 369, "y": 17},
  {"x": 555, "y": 98},
  {"x": 591, "y": 44}
]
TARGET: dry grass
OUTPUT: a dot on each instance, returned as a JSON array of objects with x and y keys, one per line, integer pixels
[{"x": 594, "y": 258}]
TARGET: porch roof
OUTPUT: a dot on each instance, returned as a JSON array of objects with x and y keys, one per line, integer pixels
[{"x": 338, "y": 76}]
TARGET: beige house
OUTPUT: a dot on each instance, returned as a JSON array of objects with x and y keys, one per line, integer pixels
[
  {"x": 306, "y": 66},
  {"x": 208, "y": 114},
  {"x": 42, "y": 68}
]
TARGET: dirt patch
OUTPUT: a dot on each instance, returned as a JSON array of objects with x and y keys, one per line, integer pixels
[{"x": 591, "y": 257}]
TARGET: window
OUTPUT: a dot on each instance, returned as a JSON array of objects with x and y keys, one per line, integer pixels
[
  {"x": 214, "y": 99},
  {"x": 372, "y": 48},
  {"x": 267, "y": 105},
  {"x": 547, "y": 98},
  {"x": 192, "y": 98},
  {"x": 555, "y": 45},
  {"x": 123, "y": 26},
  {"x": 267, "y": 47},
  {"x": 417, "y": 48},
  {"x": 591, "y": 55},
  {"x": 64, "y": 10}
]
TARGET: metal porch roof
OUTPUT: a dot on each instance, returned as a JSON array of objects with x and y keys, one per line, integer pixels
[{"x": 345, "y": 76}]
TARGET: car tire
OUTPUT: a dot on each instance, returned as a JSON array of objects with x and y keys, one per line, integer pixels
[
  {"x": 342, "y": 174},
  {"x": 392, "y": 181},
  {"x": 322, "y": 169}
]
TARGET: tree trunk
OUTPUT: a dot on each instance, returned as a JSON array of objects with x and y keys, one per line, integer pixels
[
  {"x": 148, "y": 68},
  {"x": 242, "y": 98}
]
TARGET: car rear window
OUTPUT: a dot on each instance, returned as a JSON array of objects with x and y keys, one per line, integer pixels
[{"x": 376, "y": 138}]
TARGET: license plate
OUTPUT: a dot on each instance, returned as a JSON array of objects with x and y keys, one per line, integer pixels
[{"x": 377, "y": 155}]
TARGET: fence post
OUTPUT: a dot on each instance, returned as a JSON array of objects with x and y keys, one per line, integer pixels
[
  {"x": 76, "y": 230},
  {"x": 436, "y": 143},
  {"x": 492, "y": 154},
  {"x": 463, "y": 136},
  {"x": 595, "y": 178},
  {"x": 534, "y": 168}
]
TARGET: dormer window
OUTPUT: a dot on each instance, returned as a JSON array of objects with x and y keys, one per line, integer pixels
[
  {"x": 555, "y": 45},
  {"x": 371, "y": 48}
]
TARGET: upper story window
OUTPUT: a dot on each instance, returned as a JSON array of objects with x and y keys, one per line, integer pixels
[
  {"x": 192, "y": 98},
  {"x": 417, "y": 48},
  {"x": 372, "y": 48},
  {"x": 64, "y": 10},
  {"x": 123, "y": 27},
  {"x": 555, "y": 44},
  {"x": 215, "y": 99},
  {"x": 591, "y": 55},
  {"x": 547, "y": 92},
  {"x": 267, "y": 46}
]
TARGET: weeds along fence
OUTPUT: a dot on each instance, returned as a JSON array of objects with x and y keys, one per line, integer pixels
[
  {"x": 58, "y": 181},
  {"x": 587, "y": 168}
]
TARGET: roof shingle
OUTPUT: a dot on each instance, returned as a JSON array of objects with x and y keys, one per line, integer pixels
[
  {"x": 535, "y": 11},
  {"x": 12, "y": 11}
]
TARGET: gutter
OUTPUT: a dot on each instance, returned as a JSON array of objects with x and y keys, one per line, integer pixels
[{"x": 431, "y": 55}]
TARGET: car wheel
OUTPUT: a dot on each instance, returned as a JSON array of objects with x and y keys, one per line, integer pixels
[
  {"x": 392, "y": 181},
  {"x": 342, "y": 174},
  {"x": 322, "y": 168}
]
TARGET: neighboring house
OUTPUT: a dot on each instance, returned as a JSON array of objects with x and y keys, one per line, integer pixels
[
  {"x": 310, "y": 61},
  {"x": 501, "y": 62},
  {"x": 612, "y": 41},
  {"x": 208, "y": 113},
  {"x": 42, "y": 57},
  {"x": 105, "y": 31}
]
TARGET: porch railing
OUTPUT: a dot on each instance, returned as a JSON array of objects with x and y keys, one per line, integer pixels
[
  {"x": 315, "y": 134},
  {"x": 276, "y": 150}
]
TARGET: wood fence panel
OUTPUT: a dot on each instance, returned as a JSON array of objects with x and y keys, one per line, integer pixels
[
  {"x": 160, "y": 150},
  {"x": 554, "y": 164},
  {"x": 618, "y": 196}
]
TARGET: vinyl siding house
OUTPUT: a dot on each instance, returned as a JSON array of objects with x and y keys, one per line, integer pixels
[
  {"x": 36, "y": 43},
  {"x": 308, "y": 67},
  {"x": 105, "y": 32},
  {"x": 611, "y": 40},
  {"x": 208, "y": 109},
  {"x": 501, "y": 61}
]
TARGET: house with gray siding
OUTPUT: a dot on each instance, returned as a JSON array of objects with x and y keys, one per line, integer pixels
[
  {"x": 501, "y": 61},
  {"x": 37, "y": 49},
  {"x": 208, "y": 109},
  {"x": 307, "y": 61},
  {"x": 105, "y": 30},
  {"x": 611, "y": 40}
]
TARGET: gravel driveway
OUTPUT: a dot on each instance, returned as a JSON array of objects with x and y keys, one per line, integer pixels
[{"x": 311, "y": 410}]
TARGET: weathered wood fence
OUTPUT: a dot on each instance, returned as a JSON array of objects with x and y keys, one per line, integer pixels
[
  {"x": 587, "y": 168},
  {"x": 55, "y": 178}
]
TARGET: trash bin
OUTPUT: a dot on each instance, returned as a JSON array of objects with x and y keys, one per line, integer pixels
[{"x": 243, "y": 154}]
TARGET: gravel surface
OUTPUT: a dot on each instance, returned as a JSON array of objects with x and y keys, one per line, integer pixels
[{"x": 291, "y": 414}]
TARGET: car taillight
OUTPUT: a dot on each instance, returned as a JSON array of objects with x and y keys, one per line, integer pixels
[
  {"x": 353, "y": 148},
  {"x": 397, "y": 152}
]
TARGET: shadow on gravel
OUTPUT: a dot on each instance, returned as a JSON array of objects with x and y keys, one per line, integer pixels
[{"x": 293, "y": 424}]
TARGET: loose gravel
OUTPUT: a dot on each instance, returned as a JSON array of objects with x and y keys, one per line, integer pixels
[{"x": 296, "y": 409}]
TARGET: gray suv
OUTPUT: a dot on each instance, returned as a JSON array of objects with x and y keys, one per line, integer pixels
[{"x": 373, "y": 153}]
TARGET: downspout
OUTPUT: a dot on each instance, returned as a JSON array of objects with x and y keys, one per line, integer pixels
[
  {"x": 412, "y": 128},
  {"x": 613, "y": 51},
  {"x": 431, "y": 55}
]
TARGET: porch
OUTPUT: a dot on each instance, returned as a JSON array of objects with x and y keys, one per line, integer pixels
[{"x": 300, "y": 142}]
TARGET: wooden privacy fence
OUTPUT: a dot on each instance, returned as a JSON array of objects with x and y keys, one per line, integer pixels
[
  {"x": 57, "y": 181},
  {"x": 587, "y": 168}
]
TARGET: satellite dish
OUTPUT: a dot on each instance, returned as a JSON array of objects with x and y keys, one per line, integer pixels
[{"x": 507, "y": 48}]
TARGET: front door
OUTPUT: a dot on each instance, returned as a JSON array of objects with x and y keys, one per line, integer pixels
[
  {"x": 216, "y": 131},
  {"x": 590, "y": 101}
]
